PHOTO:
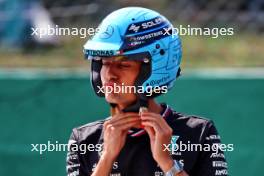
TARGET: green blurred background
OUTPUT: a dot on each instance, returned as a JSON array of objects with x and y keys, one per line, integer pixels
[
  {"x": 45, "y": 89},
  {"x": 41, "y": 109}
]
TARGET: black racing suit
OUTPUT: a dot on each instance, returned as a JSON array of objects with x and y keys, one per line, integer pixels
[{"x": 135, "y": 159}]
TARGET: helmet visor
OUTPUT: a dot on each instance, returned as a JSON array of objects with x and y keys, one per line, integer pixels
[{"x": 144, "y": 57}]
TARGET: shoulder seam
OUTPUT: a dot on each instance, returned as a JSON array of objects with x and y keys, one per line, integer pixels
[{"x": 91, "y": 124}]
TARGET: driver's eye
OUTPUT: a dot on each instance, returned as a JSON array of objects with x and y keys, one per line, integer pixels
[{"x": 126, "y": 65}]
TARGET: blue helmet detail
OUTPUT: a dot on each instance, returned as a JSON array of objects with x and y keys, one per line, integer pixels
[{"x": 135, "y": 31}]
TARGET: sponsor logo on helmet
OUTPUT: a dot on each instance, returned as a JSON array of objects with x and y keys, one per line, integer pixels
[
  {"x": 159, "y": 81},
  {"x": 107, "y": 32},
  {"x": 140, "y": 40},
  {"x": 152, "y": 23},
  {"x": 99, "y": 52},
  {"x": 134, "y": 28},
  {"x": 145, "y": 25}
]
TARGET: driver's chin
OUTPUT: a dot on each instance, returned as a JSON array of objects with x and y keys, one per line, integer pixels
[
  {"x": 113, "y": 98},
  {"x": 119, "y": 99}
]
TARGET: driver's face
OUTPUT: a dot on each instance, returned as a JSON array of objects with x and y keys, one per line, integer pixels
[{"x": 120, "y": 72}]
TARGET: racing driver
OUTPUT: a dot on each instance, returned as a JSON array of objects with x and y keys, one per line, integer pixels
[{"x": 138, "y": 48}]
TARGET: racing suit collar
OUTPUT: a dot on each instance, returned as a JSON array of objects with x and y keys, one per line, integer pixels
[{"x": 165, "y": 113}]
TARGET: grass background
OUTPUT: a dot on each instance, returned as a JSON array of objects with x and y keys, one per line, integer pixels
[{"x": 240, "y": 50}]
